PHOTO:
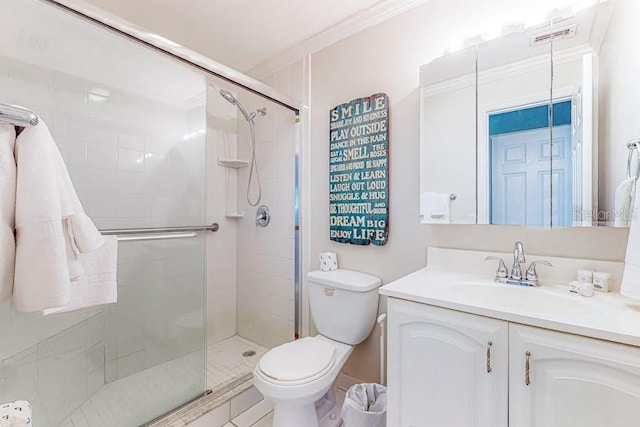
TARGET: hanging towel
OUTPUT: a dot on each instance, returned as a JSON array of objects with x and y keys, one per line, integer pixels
[
  {"x": 52, "y": 230},
  {"x": 631, "y": 275},
  {"x": 98, "y": 283},
  {"x": 7, "y": 209},
  {"x": 625, "y": 197},
  {"x": 435, "y": 208},
  {"x": 15, "y": 414}
]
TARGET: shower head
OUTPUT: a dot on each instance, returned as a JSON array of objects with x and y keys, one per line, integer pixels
[
  {"x": 228, "y": 96},
  {"x": 233, "y": 100},
  {"x": 249, "y": 117}
]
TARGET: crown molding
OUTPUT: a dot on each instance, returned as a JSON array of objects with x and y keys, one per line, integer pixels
[{"x": 359, "y": 21}]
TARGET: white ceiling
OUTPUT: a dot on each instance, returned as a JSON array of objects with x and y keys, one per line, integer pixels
[{"x": 238, "y": 33}]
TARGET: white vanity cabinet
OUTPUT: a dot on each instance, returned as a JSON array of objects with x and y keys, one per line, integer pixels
[
  {"x": 446, "y": 368},
  {"x": 572, "y": 380}
]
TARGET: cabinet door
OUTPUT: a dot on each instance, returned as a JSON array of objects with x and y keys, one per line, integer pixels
[
  {"x": 573, "y": 381},
  {"x": 445, "y": 368}
]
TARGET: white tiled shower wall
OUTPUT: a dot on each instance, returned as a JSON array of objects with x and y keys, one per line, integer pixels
[
  {"x": 266, "y": 255},
  {"x": 250, "y": 280}
]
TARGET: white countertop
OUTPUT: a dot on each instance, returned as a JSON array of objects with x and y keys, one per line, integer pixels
[{"x": 606, "y": 316}]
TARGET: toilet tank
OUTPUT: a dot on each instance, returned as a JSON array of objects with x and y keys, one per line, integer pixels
[{"x": 344, "y": 304}]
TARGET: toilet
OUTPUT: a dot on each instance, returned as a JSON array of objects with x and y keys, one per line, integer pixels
[{"x": 298, "y": 377}]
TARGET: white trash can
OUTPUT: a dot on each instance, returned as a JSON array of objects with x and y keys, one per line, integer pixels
[{"x": 365, "y": 405}]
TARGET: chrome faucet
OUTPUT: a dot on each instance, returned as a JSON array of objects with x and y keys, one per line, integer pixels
[
  {"x": 518, "y": 258},
  {"x": 516, "y": 278}
]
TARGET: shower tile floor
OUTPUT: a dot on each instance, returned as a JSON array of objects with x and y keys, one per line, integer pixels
[
  {"x": 114, "y": 403},
  {"x": 226, "y": 363}
]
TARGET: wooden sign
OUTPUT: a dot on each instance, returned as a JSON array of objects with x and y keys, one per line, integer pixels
[{"x": 358, "y": 171}]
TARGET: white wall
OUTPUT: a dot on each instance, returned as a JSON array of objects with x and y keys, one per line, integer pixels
[
  {"x": 619, "y": 86},
  {"x": 387, "y": 59}
]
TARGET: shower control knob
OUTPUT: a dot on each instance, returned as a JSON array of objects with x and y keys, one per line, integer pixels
[{"x": 263, "y": 216}]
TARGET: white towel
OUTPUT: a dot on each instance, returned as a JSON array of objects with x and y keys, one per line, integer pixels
[
  {"x": 631, "y": 276},
  {"x": 435, "y": 208},
  {"x": 15, "y": 414},
  {"x": 98, "y": 283},
  {"x": 7, "y": 209},
  {"x": 52, "y": 230},
  {"x": 625, "y": 196}
]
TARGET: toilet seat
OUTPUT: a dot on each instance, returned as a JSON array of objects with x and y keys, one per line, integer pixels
[{"x": 298, "y": 362}]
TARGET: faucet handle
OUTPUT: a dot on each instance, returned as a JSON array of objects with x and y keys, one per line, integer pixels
[
  {"x": 502, "y": 268},
  {"x": 532, "y": 275}
]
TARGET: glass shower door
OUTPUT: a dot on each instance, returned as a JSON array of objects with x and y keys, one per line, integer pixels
[{"x": 130, "y": 123}]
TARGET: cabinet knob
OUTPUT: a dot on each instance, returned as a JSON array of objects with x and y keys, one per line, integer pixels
[{"x": 527, "y": 368}]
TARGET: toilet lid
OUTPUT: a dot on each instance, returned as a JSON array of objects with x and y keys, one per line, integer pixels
[{"x": 303, "y": 359}]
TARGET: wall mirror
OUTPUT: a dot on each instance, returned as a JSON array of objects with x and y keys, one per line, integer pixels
[{"x": 536, "y": 127}]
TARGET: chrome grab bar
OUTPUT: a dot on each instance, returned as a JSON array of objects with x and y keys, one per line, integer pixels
[
  {"x": 155, "y": 236},
  {"x": 158, "y": 233}
]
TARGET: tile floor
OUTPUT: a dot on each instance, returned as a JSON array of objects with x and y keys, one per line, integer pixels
[
  {"x": 226, "y": 363},
  {"x": 115, "y": 403}
]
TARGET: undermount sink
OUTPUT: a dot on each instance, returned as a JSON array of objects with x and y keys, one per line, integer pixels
[{"x": 522, "y": 298}]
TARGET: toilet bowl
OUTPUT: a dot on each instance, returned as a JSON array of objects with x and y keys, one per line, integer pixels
[
  {"x": 295, "y": 391},
  {"x": 298, "y": 377}
]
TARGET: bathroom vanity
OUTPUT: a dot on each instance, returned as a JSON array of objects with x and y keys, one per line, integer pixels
[{"x": 464, "y": 351}]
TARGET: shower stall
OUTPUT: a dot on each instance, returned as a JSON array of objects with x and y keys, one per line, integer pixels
[{"x": 157, "y": 156}]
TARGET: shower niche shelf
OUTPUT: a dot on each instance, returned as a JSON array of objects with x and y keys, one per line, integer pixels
[
  {"x": 234, "y": 215},
  {"x": 233, "y": 163}
]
